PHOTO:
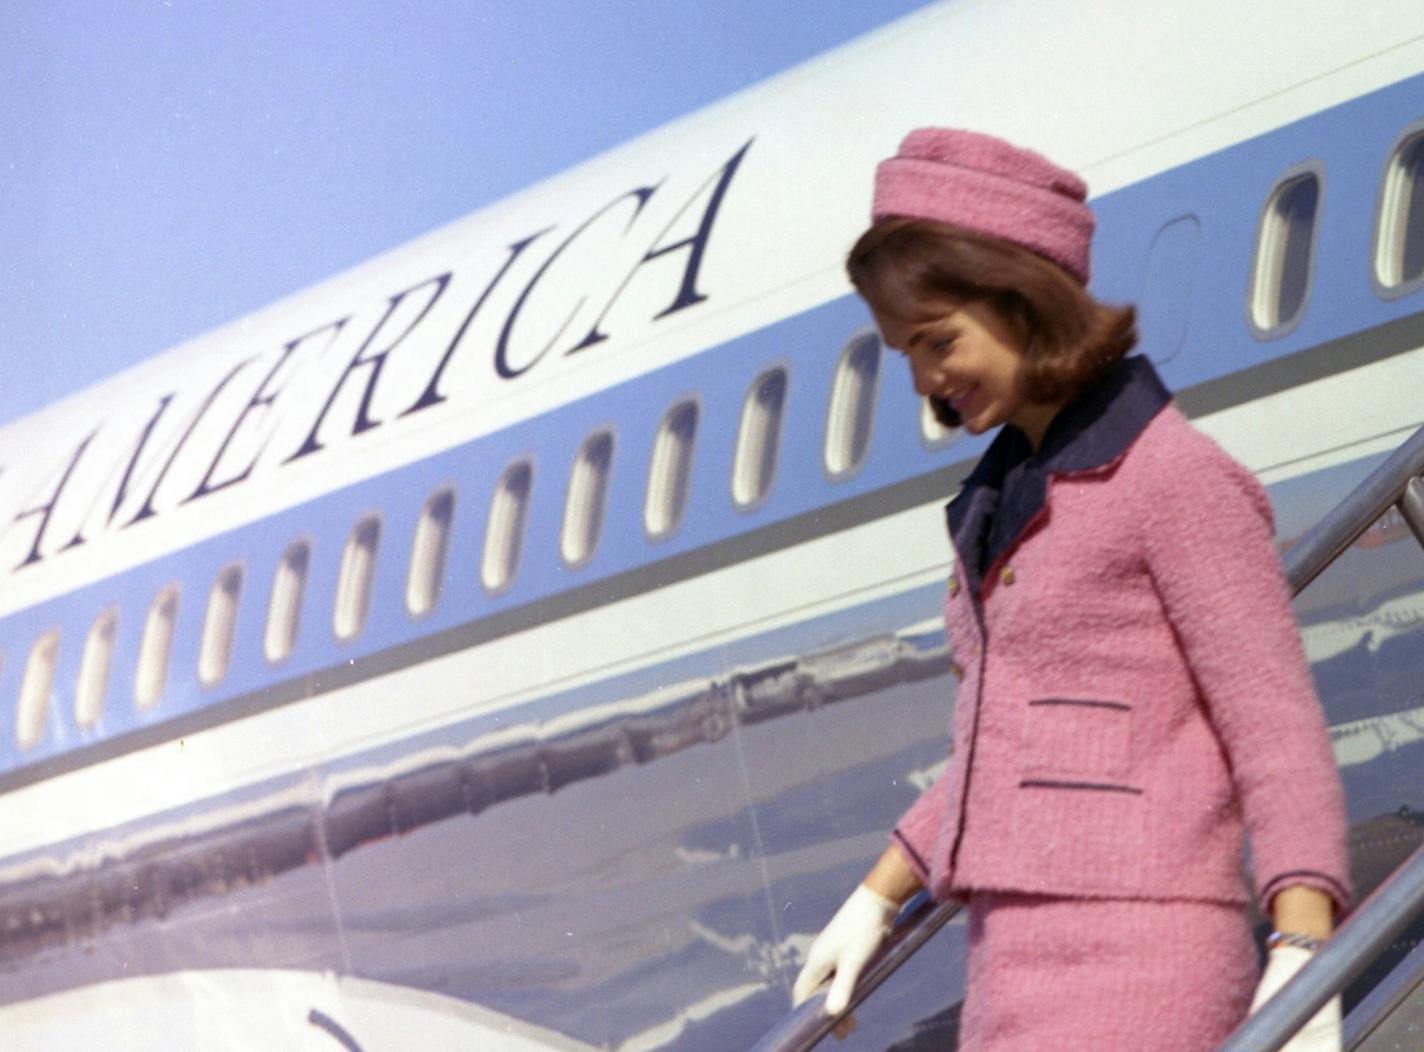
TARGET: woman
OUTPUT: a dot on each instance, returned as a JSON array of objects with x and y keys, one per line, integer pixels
[{"x": 1134, "y": 696}]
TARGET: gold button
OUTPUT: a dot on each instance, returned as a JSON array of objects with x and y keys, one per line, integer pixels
[
  {"x": 956, "y": 670},
  {"x": 1007, "y": 575},
  {"x": 953, "y": 587}
]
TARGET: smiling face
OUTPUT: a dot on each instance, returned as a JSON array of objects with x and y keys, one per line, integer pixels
[
  {"x": 989, "y": 327},
  {"x": 970, "y": 356}
]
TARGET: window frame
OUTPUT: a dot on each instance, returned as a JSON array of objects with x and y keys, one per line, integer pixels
[
  {"x": 740, "y": 441},
  {"x": 219, "y": 629},
  {"x": 292, "y": 600},
  {"x": 841, "y": 409},
  {"x": 681, "y": 494},
  {"x": 343, "y": 598},
  {"x": 32, "y": 710},
  {"x": 98, "y": 646},
  {"x": 170, "y": 593},
  {"x": 1255, "y": 294},
  {"x": 434, "y": 569},
  {"x": 515, "y": 549},
  {"x": 593, "y": 517},
  {"x": 1386, "y": 212}
]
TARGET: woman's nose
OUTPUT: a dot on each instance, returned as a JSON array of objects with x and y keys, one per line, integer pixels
[{"x": 924, "y": 374}]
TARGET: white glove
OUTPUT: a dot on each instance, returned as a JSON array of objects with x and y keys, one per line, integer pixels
[
  {"x": 844, "y": 947},
  {"x": 1322, "y": 1033}
]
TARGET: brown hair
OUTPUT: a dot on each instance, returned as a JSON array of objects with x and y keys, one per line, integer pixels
[{"x": 910, "y": 269}]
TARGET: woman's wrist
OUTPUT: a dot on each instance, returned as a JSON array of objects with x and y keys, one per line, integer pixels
[
  {"x": 1304, "y": 911},
  {"x": 892, "y": 877}
]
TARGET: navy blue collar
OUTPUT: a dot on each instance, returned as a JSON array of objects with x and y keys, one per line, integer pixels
[{"x": 1008, "y": 488}]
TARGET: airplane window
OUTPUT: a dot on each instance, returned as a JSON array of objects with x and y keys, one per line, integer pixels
[
  {"x": 35, "y": 689},
  {"x": 588, "y": 488},
  {"x": 852, "y": 410},
  {"x": 215, "y": 648},
  {"x": 504, "y": 536},
  {"x": 153, "y": 650},
  {"x": 670, "y": 473},
  {"x": 358, "y": 573},
  {"x": 94, "y": 668},
  {"x": 1285, "y": 248},
  {"x": 1399, "y": 237},
  {"x": 932, "y": 433},
  {"x": 426, "y": 577},
  {"x": 284, "y": 609},
  {"x": 758, "y": 438}
]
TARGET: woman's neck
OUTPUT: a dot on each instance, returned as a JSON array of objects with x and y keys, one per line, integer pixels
[{"x": 1033, "y": 419}]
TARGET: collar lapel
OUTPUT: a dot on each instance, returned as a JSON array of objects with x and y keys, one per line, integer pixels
[
  {"x": 1096, "y": 430},
  {"x": 1008, "y": 488},
  {"x": 972, "y": 513}
]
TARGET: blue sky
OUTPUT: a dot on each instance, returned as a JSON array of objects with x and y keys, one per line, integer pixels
[{"x": 168, "y": 166}]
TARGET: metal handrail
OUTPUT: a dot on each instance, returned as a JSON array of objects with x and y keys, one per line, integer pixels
[
  {"x": 1387, "y": 995},
  {"x": 1393, "y": 482},
  {"x": 808, "y": 1022},
  {"x": 1384, "y": 914}
]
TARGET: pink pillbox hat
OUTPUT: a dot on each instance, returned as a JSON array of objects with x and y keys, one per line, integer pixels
[{"x": 988, "y": 186}]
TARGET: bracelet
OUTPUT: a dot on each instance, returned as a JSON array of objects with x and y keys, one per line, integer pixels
[{"x": 1293, "y": 938}]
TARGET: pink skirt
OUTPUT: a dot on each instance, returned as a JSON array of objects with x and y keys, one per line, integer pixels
[{"x": 1104, "y": 975}]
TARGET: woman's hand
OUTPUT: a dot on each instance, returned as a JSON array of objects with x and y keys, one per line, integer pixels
[
  {"x": 1322, "y": 1033},
  {"x": 844, "y": 947},
  {"x": 856, "y": 932}
]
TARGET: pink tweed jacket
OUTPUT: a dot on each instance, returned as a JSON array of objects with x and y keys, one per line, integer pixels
[{"x": 1134, "y": 694}]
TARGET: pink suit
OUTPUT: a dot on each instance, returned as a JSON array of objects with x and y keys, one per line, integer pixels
[{"x": 1134, "y": 693}]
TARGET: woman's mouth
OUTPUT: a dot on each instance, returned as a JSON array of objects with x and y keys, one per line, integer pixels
[{"x": 960, "y": 401}]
